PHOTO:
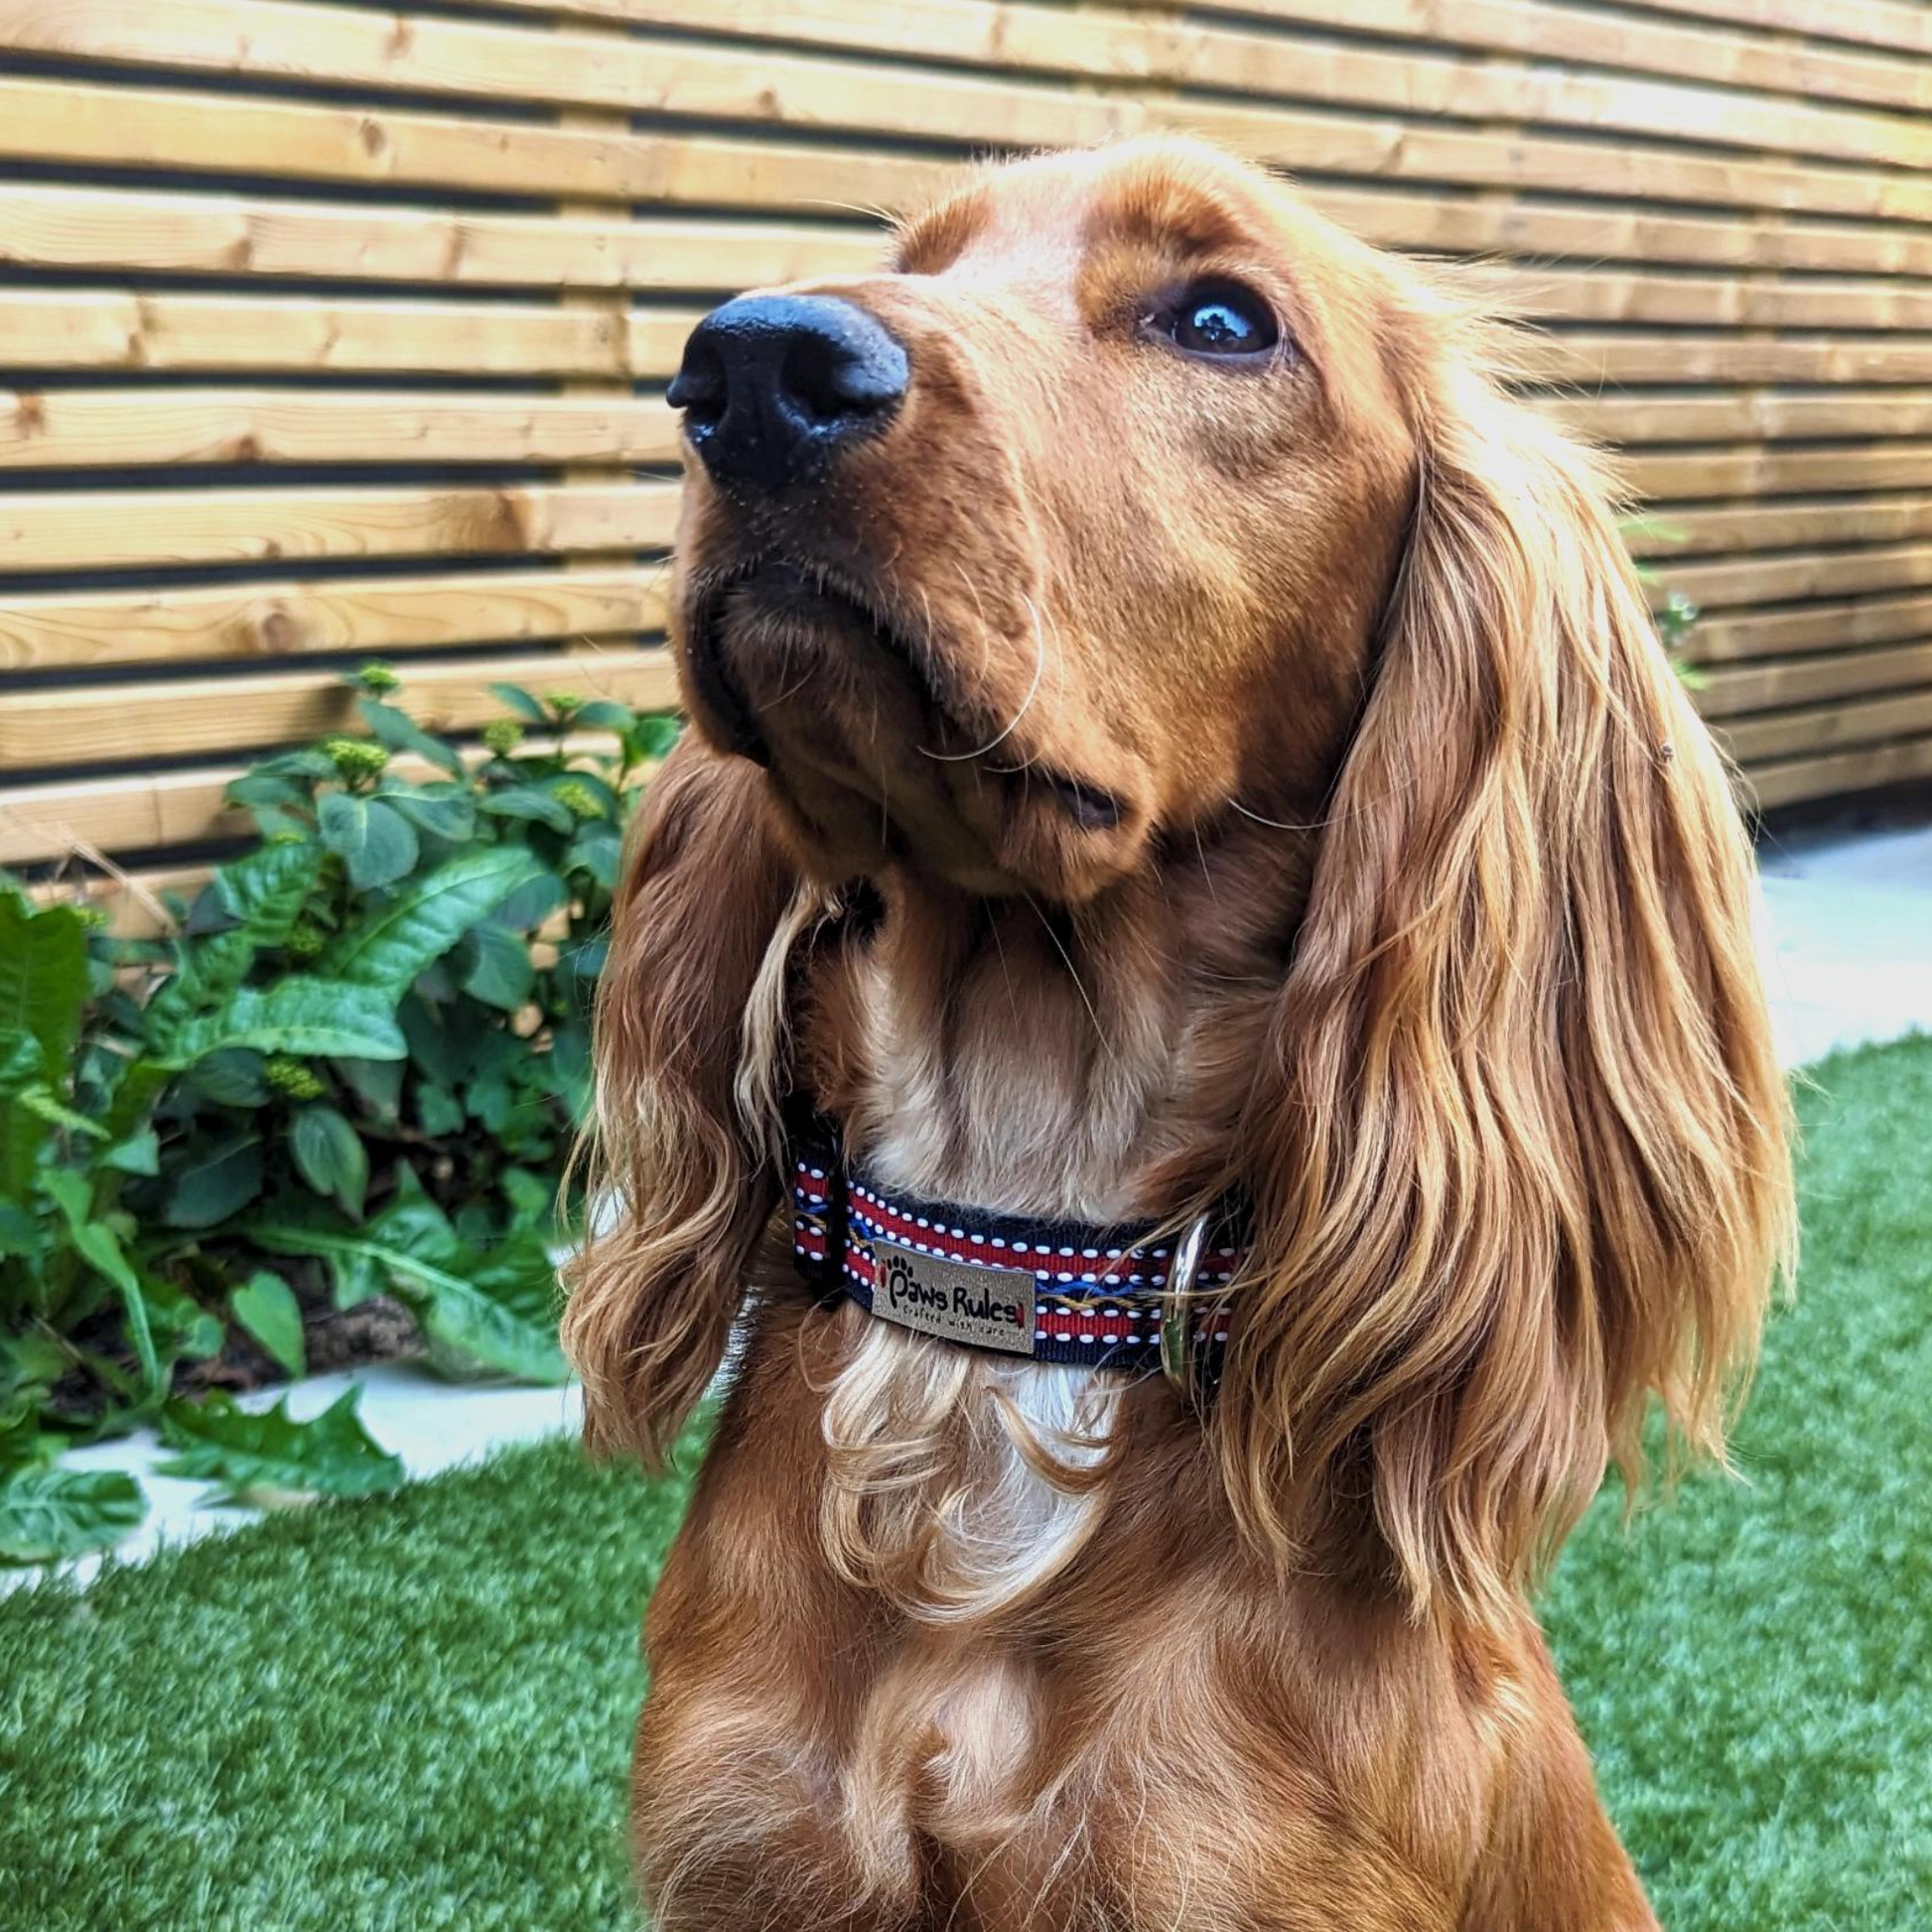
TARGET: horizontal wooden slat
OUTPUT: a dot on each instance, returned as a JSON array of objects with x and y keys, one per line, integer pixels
[
  {"x": 1709, "y": 301},
  {"x": 134, "y": 902},
  {"x": 96, "y": 626},
  {"x": 1801, "y": 471},
  {"x": 1781, "y": 525},
  {"x": 1796, "y": 781},
  {"x": 45, "y": 226},
  {"x": 117, "y": 328},
  {"x": 1794, "y": 734},
  {"x": 151, "y": 810},
  {"x": 1878, "y": 23},
  {"x": 429, "y": 53},
  {"x": 1674, "y": 356},
  {"x": 101, "y": 530},
  {"x": 443, "y": 57},
  {"x": 88, "y": 428},
  {"x": 1786, "y": 580},
  {"x": 1810, "y": 680},
  {"x": 48, "y": 729},
  {"x": 135, "y": 814},
  {"x": 1726, "y": 416},
  {"x": 1568, "y": 34},
  {"x": 1732, "y": 637},
  {"x": 123, "y": 125},
  {"x": 1451, "y": 224}
]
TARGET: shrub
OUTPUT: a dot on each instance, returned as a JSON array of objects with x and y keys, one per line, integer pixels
[{"x": 355, "y": 1068}]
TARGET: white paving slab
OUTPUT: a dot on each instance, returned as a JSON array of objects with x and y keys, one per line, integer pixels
[
  {"x": 431, "y": 1424},
  {"x": 1845, "y": 931}
]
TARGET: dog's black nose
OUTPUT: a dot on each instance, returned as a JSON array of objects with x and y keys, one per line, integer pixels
[{"x": 773, "y": 385}]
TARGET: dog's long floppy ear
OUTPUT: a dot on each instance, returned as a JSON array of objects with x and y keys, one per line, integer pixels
[
  {"x": 1523, "y": 1133},
  {"x": 680, "y": 1173}
]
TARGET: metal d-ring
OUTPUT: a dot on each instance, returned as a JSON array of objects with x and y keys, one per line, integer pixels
[{"x": 1177, "y": 1324}]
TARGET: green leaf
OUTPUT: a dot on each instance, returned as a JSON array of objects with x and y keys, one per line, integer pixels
[
  {"x": 602, "y": 714},
  {"x": 232, "y": 1078},
  {"x": 599, "y": 851},
  {"x": 219, "y": 1182},
  {"x": 533, "y": 902},
  {"x": 266, "y": 1457},
  {"x": 374, "y": 840},
  {"x": 100, "y": 1246},
  {"x": 521, "y": 702},
  {"x": 652, "y": 737},
  {"x": 378, "y": 1084},
  {"x": 388, "y": 948},
  {"x": 528, "y": 802},
  {"x": 139, "y": 1154},
  {"x": 447, "y": 812},
  {"x": 46, "y": 1515},
  {"x": 330, "y": 1155},
  {"x": 266, "y": 1306},
  {"x": 390, "y": 725},
  {"x": 438, "y": 1110},
  {"x": 311, "y": 1019},
  {"x": 266, "y": 891},
  {"x": 503, "y": 974},
  {"x": 43, "y": 985},
  {"x": 494, "y": 1312}
]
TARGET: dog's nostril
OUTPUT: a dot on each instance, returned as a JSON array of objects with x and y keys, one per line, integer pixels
[
  {"x": 700, "y": 388},
  {"x": 829, "y": 383},
  {"x": 774, "y": 386}
]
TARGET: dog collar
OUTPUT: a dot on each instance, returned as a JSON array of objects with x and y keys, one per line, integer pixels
[{"x": 1131, "y": 1298}]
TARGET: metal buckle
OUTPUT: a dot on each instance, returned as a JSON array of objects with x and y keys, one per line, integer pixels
[{"x": 1177, "y": 1326}]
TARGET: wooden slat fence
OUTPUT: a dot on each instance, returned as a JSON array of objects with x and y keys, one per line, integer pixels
[{"x": 330, "y": 331}]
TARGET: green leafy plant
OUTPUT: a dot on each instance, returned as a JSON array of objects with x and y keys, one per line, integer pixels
[
  {"x": 353, "y": 1069},
  {"x": 1675, "y": 615}
]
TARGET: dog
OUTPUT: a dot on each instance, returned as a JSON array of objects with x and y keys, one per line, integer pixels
[{"x": 1189, "y": 1001}]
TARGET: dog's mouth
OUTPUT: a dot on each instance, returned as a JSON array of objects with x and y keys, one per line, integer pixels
[{"x": 783, "y": 637}]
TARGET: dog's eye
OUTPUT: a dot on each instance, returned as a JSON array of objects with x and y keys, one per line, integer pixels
[{"x": 1222, "y": 320}]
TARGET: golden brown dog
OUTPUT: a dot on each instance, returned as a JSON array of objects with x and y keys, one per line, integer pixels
[{"x": 1171, "y": 731}]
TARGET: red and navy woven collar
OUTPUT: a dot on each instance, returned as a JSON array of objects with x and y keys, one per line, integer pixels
[{"x": 1122, "y": 1298}]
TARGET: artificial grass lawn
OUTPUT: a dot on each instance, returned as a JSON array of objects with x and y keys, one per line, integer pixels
[{"x": 415, "y": 1712}]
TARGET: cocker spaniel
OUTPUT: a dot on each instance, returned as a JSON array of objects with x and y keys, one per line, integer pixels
[{"x": 1190, "y": 996}]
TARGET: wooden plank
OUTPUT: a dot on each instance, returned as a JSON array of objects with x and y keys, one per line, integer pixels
[
  {"x": 284, "y": 620},
  {"x": 1796, "y": 781},
  {"x": 1875, "y": 23},
  {"x": 1778, "y": 472},
  {"x": 120, "y": 329},
  {"x": 1793, "y": 734},
  {"x": 1726, "y": 416},
  {"x": 1453, "y": 224},
  {"x": 1706, "y": 301},
  {"x": 148, "y": 812},
  {"x": 43, "y": 227},
  {"x": 133, "y": 814},
  {"x": 1732, "y": 637},
  {"x": 134, "y": 902},
  {"x": 1781, "y": 525},
  {"x": 1811, "y": 680},
  {"x": 82, "y": 428},
  {"x": 1785, "y": 580},
  {"x": 437, "y": 55},
  {"x": 1674, "y": 356},
  {"x": 117, "y": 529},
  {"x": 1577, "y": 36},
  {"x": 44, "y": 730},
  {"x": 177, "y": 128}
]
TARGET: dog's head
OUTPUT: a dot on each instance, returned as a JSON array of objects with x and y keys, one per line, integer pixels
[
  {"x": 1069, "y": 527},
  {"x": 1130, "y": 505}
]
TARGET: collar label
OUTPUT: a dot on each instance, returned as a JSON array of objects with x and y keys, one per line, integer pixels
[{"x": 987, "y": 1307}]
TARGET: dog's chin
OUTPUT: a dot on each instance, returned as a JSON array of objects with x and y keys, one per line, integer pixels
[{"x": 875, "y": 760}]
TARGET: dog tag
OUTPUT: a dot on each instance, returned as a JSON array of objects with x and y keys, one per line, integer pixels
[{"x": 985, "y": 1308}]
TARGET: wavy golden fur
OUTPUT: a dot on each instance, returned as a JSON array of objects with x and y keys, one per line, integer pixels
[{"x": 1123, "y": 781}]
